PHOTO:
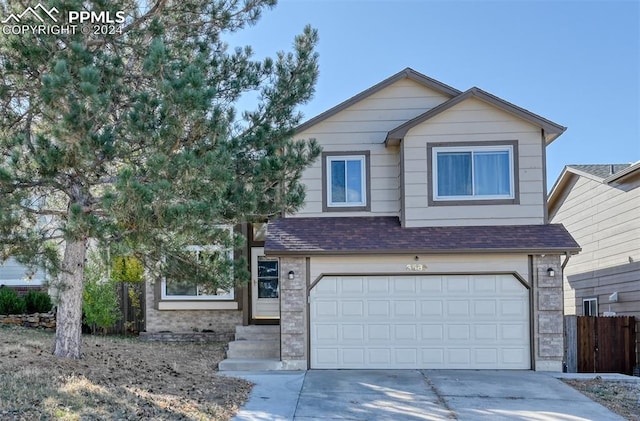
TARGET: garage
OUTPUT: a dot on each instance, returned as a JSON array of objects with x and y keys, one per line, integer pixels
[{"x": 420, "y": 321}]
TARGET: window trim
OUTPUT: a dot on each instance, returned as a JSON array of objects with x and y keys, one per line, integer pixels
[
  {"x": 506, "y": 145},
  {"x": 590, "y": 300},
  {"x": 199, "y": 298},
  {"x": 327, "y": 206}
]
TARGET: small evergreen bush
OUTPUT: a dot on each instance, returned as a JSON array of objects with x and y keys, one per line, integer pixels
[
  {"x": 10, "y": 303},
  {"x": 37, "y": 302}
]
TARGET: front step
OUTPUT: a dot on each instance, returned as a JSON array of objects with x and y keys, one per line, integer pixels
[
  {"x": 256, "y": 348},
  {"x": 250, "y": 364},
  {"x": 257, "y": 333}
]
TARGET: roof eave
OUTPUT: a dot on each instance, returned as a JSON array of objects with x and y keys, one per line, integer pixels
[
  {"x": 551, "y": 130},
  {"x": 543, "y": 250},
  {"x": 623, "y": 174}
]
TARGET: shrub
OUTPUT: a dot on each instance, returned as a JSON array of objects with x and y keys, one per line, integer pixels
[
  {"x": 100, "y": 304},
  {"x": 37, "y": 301},
  {"x": 10, "y": 303}
]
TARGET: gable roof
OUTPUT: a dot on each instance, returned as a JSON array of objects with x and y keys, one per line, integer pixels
[
  {"x": 552, "y": 130},
  {"x": 600, "y": 173},
  {"x": 407, "y": 73},
  {"x": 384, "y": 235}
]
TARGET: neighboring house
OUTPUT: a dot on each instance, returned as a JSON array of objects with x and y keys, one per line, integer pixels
[
  {"x": 19, "y": 277},
  {"x": 600, "y": 206},
  {"x": 424, "y": 241}
]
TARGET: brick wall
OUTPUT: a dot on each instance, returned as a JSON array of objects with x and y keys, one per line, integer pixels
[
  {"x": 221, "y": 322},
  {"x": 293, "y": 304},
  {"x": 548, "y": 327}
]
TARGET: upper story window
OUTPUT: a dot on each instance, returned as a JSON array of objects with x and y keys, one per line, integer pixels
[
  {"x": 481, "y": 174},
  {"x": 345, "y": 181}
]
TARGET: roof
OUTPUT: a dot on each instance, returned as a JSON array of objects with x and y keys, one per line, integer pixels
[
  {"x": 600, "y": 173},
  {"x": 407, "y": 73},
  {"x": 599, "y": 170},
  {"x": 552, "y": 130},
  {"x": 384, "y": 235}
]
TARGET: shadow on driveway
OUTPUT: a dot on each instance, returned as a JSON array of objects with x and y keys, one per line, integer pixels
[{"x": 416, "y": 395}]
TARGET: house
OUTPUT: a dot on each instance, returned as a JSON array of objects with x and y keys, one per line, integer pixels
[
  {"x": 600, "y": 206},
  {"x": 424, "y": 241},
  {"x": 19, "y": 277}
]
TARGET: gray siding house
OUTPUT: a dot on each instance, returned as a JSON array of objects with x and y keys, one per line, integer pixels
[{"x": 600, "y": 206}]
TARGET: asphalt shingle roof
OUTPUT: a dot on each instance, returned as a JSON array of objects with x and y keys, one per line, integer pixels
[
  {"x": 600, "y": 170},
  {"x": 369, "y": 235}
]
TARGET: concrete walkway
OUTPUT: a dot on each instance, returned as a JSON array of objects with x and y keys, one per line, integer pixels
[{"x": 413, "y": 395}]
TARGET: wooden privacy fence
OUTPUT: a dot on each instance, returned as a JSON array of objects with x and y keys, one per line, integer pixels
[
  {"x": 132, "y": 304},
  {"x": 602, "y": 344}
]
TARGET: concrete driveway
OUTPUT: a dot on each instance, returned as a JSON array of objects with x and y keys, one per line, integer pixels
[{"x": 414, "y": 395}]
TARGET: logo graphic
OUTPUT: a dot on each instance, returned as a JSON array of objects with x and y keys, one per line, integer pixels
[{"x": 34, "y": 12}]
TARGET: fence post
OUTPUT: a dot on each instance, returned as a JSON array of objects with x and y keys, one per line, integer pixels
[{"x": 571, "y": 343}]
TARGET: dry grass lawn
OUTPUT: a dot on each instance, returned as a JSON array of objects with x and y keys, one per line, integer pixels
[
  {"x": 117, "y": 379},
  {"x": 623, "y": 398}
]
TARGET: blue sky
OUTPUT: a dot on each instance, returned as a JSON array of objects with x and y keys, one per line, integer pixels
[{"x": 573, "y": 62}]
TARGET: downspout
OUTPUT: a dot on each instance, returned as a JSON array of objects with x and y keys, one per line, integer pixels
[{"x": 566, "y": 260}]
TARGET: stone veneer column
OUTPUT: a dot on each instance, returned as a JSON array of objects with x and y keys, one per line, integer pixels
[
  {"x": 293, "y": 320},
  {"x": 548, "y": 314}
]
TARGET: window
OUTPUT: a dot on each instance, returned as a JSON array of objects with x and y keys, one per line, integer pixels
[
  {"x": 345, "y": 182},
  {"x": 590, "y": 307},
  {"x": 473, "y": 172},
  {"x": 178, "y": 286}
]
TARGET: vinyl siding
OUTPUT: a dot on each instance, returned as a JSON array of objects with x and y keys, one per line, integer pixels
[
  {"x": 604, "y": 221},
  {"x": 13, "y": 273},
  {"x": 474, "y": 121},
  {"x": 489, "y": 263},
  {"x": 364, "y": 126}
]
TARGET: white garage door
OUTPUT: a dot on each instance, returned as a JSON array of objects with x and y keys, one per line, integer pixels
[{"x": 425, "y": 321}]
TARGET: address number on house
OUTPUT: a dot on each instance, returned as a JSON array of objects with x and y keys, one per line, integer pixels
[{"x": 416, "y": 267}]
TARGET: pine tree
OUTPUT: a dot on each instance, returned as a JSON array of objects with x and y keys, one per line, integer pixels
[{"x": 131, "y": 141}]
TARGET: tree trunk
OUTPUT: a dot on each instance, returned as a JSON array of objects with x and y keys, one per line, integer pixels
[{"x": 69, "y": 316}]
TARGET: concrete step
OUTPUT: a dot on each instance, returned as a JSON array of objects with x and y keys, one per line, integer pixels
[
  {"x": 250, "y": 364},
  {"x": 254, "y": 349},
  {"x": 253, "y": 332}
]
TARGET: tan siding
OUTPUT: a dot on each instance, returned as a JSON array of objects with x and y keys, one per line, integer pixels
[
  {"x": 474, "y": 121},
  {"x": 490, "y": 263},
  {"x": 364, "y": 126},
  {"x": 604, "y": 220}
]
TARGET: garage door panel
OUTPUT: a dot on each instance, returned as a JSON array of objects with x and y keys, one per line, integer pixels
[
  {"x": 433, "y": 332},
  {"x": 431, "y": 284},
  {"x": 421, "y": 322},
  {"x": 325, "y": 309},
  {"x": 405, "y": 333},
  {"x": 353, "y": 332},
  {"x": 513, "y": 307},
  {"x": 485, "y": 332},
  {"x": 457, "y": 308},
  {"x": 457, "y": 284},
  {"x": 485, "y": 308},
  {"x": 353, "y": 286},
  {"x": 379, "y": 332},
  {"x": 352, "y": 308},
  {"x": 379, "y": 286},
  {"x": 403, "y": 285},
  {"x": 431, "y": 308},
  {"x": 404, "y": 308}
]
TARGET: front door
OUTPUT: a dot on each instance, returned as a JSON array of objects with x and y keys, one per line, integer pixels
[{"x": 265, "y": 285}]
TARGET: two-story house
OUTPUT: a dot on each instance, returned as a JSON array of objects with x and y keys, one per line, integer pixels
[{"x": 424, "y": 241}]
